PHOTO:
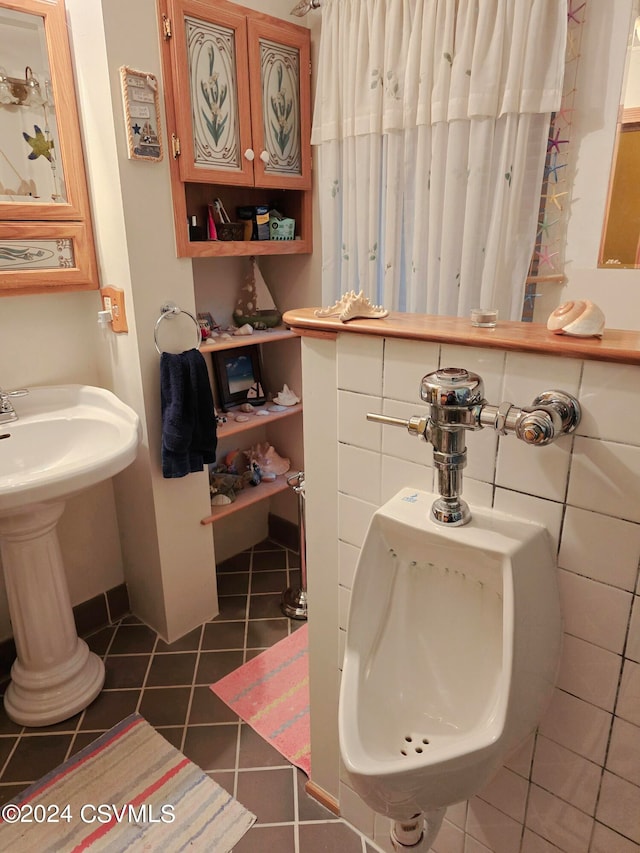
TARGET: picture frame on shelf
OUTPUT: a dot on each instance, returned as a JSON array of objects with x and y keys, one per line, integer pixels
[{"x": 238, "y": 377}]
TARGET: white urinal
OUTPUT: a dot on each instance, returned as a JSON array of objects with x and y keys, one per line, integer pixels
[{"x": 452, "y": 649}]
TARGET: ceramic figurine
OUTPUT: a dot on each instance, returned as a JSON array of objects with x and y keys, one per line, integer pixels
[
  {"x": 580, "y": 318},
  {"x": 352, "y": 305}
]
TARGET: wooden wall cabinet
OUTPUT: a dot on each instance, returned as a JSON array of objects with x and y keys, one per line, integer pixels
[
  {"x": 237, "y": 93},
  {"x": 46, "y": 239}
]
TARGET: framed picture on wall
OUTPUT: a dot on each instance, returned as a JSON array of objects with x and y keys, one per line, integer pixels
[
  {"x": 142, "y": 114},
  {"x": 238, "y": 377}
]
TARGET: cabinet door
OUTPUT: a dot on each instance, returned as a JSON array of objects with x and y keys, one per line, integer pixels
[
  {"x": 280, "y": 75},
  {"x": 211, "y": 92}
]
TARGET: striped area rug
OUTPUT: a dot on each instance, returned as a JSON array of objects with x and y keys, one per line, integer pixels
[
  {"x": 271, "y": 693},
  {"x": 130, "y": 790}
]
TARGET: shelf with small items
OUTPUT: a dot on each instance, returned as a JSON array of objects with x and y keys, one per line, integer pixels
[
  {"x": 294, "y": 204},
  {"x": 248, "y": 496},
  {"x": 255, "y": 420},
  {"x": 278, "y": 333}
]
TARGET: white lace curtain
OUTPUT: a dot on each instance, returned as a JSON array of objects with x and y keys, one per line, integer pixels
[{"x": 431, "y": 121}]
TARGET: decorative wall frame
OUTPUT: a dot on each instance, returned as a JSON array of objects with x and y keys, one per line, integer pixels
[
  {"x": 141, "y": 114},
  {"x": 238, "y": 376}
]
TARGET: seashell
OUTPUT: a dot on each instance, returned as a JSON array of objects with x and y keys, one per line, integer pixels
[
  {"x": 352, "y": 305},
  {"x": 337, "y": 308},
  {"x": 579, "y": 318},
  {"x": 246, "y": 408},
  {"x": 262, "y": 413},
  {"x": 267, "y": 459},
  {"x": 244, "y": 330},
  {"x": 286, "y": 397},
  {"x": 220, "y": 500},
  {"x": 242, "y": 419},
  {"x": 276, "y": 408}
]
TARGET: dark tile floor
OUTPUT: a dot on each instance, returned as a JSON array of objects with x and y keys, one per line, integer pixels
[{"x": 169, "y": 686}]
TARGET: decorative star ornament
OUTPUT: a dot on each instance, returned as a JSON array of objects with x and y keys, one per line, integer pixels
[
  {"x": 41, "y": 147},
  {"x": 544, "y": 226},
  {"x": 554, "y": 142},
  {"x": 544, "y": 256},
  {"x": 553, "y": 168},
  {"x": 571, "y": 12},
  {"x": 553, "y": 198},
  {"x": 136, "y": 128}
]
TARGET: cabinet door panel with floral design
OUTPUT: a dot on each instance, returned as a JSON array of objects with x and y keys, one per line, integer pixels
[
  {"x": 241, "y": 89},
  {"x": 211, "y": 91},
  {"x": 280, "y": 104}
]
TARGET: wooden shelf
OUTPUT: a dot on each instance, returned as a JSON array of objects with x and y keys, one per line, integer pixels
[
  {"x": 244, "y": 248},
  {"x": 255, "y": 421},
  {"x": 279, "y": 333},
  {"x": 248, "y": 496}
]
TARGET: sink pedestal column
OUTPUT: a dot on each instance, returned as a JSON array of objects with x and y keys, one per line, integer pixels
[{"x": 54, "y": 675}]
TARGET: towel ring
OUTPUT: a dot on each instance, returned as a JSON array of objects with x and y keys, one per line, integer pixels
[{"x": 169, "y": 310}]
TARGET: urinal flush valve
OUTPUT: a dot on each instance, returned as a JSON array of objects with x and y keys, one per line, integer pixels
[{"x": 456, "y": 403}]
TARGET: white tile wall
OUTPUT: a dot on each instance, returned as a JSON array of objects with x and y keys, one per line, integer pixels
[
  {"x": 574, "y": 786},
  {"x": 405, "y": 363},
  {"x": 586, "y": 548},
  {"x": 605, "y": 478},
  {"x": 594, "y": 611},
  {"x": 566, "y": 774}
]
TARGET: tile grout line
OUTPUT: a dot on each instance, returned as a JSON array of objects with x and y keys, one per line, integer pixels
[{"x": 192, "y": 691}]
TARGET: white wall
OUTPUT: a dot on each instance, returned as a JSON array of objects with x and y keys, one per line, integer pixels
[{"x": 598, "y": 87}]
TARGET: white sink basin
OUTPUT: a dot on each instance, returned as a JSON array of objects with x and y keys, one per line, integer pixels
[{"x": 66, "y": 438}]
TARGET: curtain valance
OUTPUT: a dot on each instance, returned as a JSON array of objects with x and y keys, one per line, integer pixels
[{"x": 390, "y": 65}]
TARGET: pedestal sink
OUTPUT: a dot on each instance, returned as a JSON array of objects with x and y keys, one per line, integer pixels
[{"x": 66, "y": 438}]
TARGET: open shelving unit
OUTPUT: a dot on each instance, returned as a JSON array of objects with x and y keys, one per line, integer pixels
[{"x": 256, "y": 422}]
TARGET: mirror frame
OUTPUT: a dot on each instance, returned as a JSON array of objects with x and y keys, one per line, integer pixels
[{"x": 70, "y": 220}]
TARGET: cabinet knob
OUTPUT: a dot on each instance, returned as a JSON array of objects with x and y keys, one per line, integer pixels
[
  {"x": 264, "y": 156},
  {"x": 249, "y": 155}
]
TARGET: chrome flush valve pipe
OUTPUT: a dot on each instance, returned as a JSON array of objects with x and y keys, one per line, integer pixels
[{"x": 456, "y": 403}]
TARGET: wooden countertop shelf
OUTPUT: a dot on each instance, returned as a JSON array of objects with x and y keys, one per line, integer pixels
[
  {"x": 617, "y": 345},
  {"x": 248, "y": 496}
]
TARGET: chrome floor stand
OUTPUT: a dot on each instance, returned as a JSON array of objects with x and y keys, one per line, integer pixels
[{"x": 294, "y": 601}]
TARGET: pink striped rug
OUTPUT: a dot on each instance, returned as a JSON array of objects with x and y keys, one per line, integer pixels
[
  {"x": 271, "y": 693},
  {"x": 128, "y": 790}
]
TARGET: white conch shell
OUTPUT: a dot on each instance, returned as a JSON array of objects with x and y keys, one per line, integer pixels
[
  {"x": 352, "y": 305},
  {"x": 286, "y": 397},
  {"x": 267, "y": 459},
  {"x": 580, "y": 318}
]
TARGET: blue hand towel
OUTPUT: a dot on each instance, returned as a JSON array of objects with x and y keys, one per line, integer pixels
[{"x": 189, "y": 432}]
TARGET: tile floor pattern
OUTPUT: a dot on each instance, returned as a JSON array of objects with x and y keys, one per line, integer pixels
[{"x": 169, "y": 686}]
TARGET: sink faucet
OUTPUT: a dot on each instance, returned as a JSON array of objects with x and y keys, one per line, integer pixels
[
  {"x": 456, "y": 404},
  {"x": 7, "y": 412}
]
